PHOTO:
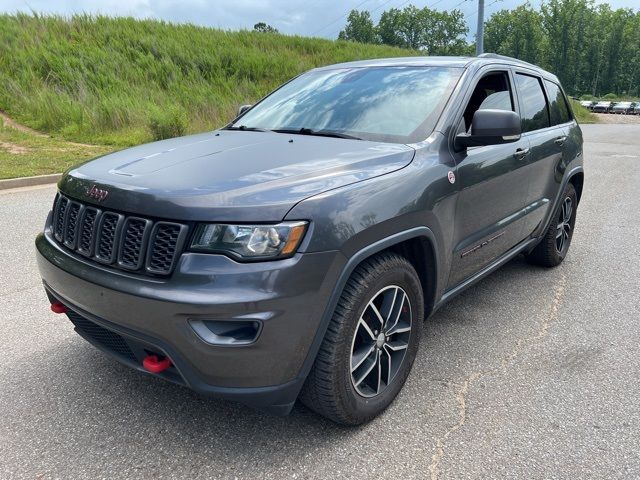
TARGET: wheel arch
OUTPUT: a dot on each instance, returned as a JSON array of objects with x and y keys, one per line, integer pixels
[
  {"x": 419, "y": 251},
  {"x": 413, "y": 244},
  {"x": 577, "y": 180}
]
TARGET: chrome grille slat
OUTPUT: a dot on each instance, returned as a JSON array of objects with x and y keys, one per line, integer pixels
[{"x": 126, "y": 242}]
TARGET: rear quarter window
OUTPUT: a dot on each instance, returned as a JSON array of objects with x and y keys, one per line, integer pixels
[
  {"x": 558, "y": 109},
  {"x": 533, "y": 103}
]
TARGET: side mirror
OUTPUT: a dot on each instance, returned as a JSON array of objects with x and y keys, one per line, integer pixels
[
  {"x": 490, "y": 127},
  {"x": 243, "y": 109}
]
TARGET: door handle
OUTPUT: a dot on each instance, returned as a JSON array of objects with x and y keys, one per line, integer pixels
[
  {"x": 560, "y": 141},
  {"x": 521, "y": 153}
]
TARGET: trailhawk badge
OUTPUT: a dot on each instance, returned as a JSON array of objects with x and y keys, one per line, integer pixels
[
  {"x": 452, "y": 177},
  {"x": 97, "y": 193}
]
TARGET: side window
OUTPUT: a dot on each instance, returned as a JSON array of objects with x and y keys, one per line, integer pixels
[
  {"x": 533, "y": 103},
  {"x": 492, "y": 92},
  {"x": 558, "y": 108}
]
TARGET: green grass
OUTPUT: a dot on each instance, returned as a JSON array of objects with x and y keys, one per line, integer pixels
[
  {"x": 25, "y": 154},
  {"x": 582, "y": 114},
  {"x": 121, "y": 81}
]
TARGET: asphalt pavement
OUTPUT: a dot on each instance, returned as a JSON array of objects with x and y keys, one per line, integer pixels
[{"x": 533, "y": 373}]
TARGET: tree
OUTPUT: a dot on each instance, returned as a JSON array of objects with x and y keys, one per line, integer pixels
[
  {"x": 516, "y": 33},
  {"x": 359, "y": 28},
  {"x": 592, "y": 48},
  {"x": 435, "y": 33},
  {"x": 264, "y": 28},
  {"x": 389, "y": 28},
  {"x": 445, "y": 32}
]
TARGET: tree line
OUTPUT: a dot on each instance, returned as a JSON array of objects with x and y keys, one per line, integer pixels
[{"x": 593, "y": 49}]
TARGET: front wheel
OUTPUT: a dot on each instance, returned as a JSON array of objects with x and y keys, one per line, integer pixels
[
  {"x": 554, "y": 246},
  {"x": 370, "y": 344}
]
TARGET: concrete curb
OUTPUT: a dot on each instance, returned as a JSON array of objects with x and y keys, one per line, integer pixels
[{"x": 29, "y": 181}]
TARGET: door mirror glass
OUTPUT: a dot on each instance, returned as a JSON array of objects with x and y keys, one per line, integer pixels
[
  {"x": 243, "y": 109},
  {"x": 490, "y": 127}
]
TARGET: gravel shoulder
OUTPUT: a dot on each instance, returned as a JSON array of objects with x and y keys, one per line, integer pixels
[{"x": 609, "y": 118}]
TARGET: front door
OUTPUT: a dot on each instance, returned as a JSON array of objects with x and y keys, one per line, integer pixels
[{"x": 493, "y": 187}]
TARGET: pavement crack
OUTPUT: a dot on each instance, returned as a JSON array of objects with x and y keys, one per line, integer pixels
[
  {"x": 524, "y": 343},
  {"x": 461, "y": 395}
]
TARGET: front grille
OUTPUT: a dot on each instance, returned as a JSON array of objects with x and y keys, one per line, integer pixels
[
  {"x": 88, "y": 225},
  {"x": 163, "y": 247},
  {"x": 108, "y": 230},
  {"x": 103, "y": 337},
  {"x": 136, "y": 232},
  {"x": 60, "y": 211},
  {"x": 115, "y": 239},
  {"x": 71, "y": 224}
]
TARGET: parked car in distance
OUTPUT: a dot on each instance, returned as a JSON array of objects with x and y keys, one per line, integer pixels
[
  {"x": 636, "y": 109},
  {"x": 588, "y": 104},
  {"x": 296, "y": 252},
  {"x": 623, "y": 108},
  {"x": 602, "y": 107}
]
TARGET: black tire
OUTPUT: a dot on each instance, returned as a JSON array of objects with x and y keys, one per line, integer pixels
[
  {"x": 329, "y": 389},
  {"x": 548, "y": 253}
]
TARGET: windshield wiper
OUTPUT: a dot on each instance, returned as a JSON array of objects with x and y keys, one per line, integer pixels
[
  {"x": 244, "y": 128},
  {"x": 317, "y": 133}
]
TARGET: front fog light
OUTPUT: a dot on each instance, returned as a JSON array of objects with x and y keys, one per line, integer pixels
[{"x": 249, "y": 241}]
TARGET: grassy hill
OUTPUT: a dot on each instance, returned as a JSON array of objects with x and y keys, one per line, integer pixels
[{"x": 120, "y": 81}]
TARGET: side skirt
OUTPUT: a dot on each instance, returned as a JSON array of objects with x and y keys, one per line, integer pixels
[{"x": 500, "y": 261}]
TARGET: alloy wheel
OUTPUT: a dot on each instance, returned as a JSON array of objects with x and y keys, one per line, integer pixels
[
  {"x": 380, "y": 341},
  {"x": 563, "y": 230}
]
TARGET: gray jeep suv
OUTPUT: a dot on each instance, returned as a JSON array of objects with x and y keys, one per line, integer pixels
[{"x": 296, "y": 252}]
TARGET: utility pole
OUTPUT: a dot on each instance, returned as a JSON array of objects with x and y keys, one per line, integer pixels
[{"x": 480, "y": 29}]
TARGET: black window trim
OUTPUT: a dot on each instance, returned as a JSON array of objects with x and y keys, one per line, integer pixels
[
  {"x": 462, "y": 99},
  {"x": 529, "y": 73},
  {"x": 566, "y": 102}
]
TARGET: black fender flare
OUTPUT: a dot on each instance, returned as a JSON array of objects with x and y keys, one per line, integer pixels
[
  {"x": 556, "y": 202},
  {"x": 346, "y": 272}
]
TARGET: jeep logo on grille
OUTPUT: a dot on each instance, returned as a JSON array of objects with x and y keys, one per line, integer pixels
[{"x": 97, "y": 193}]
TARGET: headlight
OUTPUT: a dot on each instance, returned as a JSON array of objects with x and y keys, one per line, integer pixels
[{"x": 250, "y": 242}]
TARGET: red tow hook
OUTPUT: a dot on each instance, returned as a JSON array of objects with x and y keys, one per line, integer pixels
[
  {"x": 153, "y": 364},
  {"x": 58, "y": 307}
]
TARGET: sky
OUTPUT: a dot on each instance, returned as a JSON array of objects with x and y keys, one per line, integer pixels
[{"x": 322, "y": 18}]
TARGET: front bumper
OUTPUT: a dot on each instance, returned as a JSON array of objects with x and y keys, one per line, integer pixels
[{"x": 288, "y": 297}]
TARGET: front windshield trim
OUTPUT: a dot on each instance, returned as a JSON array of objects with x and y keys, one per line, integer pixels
[{"x": 422, "y": 131}]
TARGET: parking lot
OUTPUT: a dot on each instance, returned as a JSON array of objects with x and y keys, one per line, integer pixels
[{"x": 532, "y": 373}]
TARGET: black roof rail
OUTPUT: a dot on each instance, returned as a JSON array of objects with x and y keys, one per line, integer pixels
[{"x": 505, "y": 57}]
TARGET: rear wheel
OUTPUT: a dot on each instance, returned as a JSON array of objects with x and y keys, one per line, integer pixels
[
  {"x": 370, "y": 344},
  {"x": 554, "y": 246}
]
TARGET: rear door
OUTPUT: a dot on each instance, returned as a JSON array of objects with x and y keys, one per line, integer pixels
[
  {"x": 543, "y": 127},
  {"x": 492, "y": 182}
]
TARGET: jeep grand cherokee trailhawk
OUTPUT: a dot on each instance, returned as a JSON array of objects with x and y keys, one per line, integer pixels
[{"x": 296, "y": 252}]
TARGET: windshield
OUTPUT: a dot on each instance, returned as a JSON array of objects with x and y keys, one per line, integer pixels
[{"x": 386, "y": 104}]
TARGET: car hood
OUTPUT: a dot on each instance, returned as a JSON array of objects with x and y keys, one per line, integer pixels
[{"x": 229, "y": 175}]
